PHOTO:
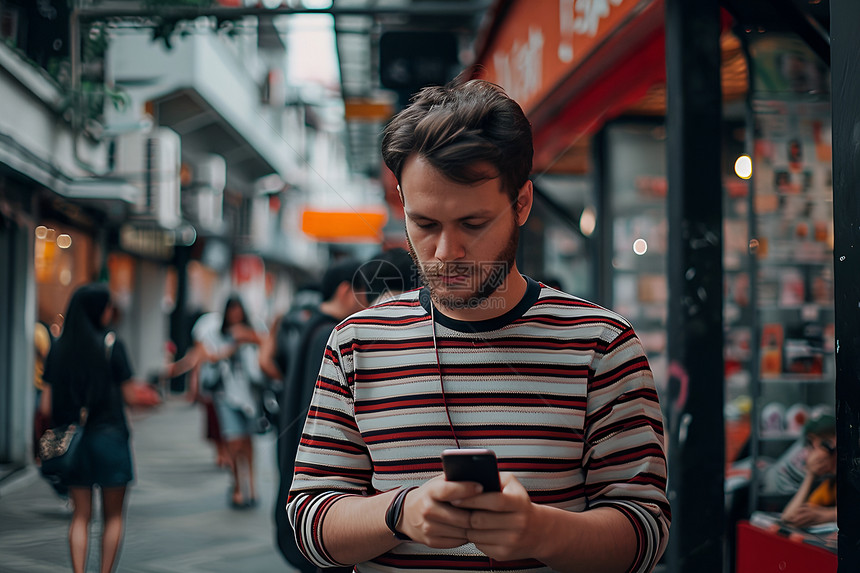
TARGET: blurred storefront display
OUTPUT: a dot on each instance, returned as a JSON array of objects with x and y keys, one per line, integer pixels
[{"x": 592, "y": 77}]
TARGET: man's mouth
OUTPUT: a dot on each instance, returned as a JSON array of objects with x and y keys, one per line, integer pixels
[{"x": 453, "y": 280}]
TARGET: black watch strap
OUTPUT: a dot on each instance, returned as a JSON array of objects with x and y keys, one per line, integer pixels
[{"x": 395, "y": 510}]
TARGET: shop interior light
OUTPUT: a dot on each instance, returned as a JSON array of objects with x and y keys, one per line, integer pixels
[
  {"x": 588, "y": 221},
  {"x": 271, "y": 4},
  {"x": 65, "y": 277},
  {"x": 743, "y": 167},
  {"x": 640, "y": 246},
  {"x": 64, "y": 241},
  {"x": 41, "y": 232}
]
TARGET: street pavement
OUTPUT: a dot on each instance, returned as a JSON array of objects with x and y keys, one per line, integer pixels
[{"x": 178, "y": 516}]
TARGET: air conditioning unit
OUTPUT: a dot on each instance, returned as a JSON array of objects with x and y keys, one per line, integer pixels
[
  {"x": 151, "y": 162},
  {"x": 209, "y": 179}
]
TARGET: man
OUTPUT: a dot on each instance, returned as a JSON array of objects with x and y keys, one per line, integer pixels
[
  {"x": 273, "y": 350},
  {"x": 285, "y": 334},
  {"x": 482, "y": 357},
  {"x": 344, "y": 292}
]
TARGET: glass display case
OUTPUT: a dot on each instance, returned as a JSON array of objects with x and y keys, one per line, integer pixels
[
  {"x": 636, "y": 201},
  {"x": 790, "y": 371}
]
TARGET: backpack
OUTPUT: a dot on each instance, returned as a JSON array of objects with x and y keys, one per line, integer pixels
[{"x": 289, "y": 335}]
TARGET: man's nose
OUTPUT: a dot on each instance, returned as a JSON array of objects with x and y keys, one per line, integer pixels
[{"x": 450, "y": 247}]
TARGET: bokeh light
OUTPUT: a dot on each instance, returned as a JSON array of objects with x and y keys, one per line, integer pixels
[{"x": 743, "y": 167}]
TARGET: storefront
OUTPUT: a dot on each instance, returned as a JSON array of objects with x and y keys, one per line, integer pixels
[
  {"x": 17, "y": 306},
  {"x": 692, "y": 249}
]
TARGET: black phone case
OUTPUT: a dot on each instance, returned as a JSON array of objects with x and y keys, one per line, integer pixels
[{"x": 472, "y": 465}]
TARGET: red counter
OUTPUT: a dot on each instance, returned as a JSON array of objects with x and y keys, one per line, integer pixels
[{"x": 763, "y": 551}]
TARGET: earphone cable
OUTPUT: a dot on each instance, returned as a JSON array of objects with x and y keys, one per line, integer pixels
[{"x": 439, "y": 370}]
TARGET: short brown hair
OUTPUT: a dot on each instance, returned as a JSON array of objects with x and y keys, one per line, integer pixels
[{"x": 459, "y": 125}]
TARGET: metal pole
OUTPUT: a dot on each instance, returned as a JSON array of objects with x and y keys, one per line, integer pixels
[
  {"x": 179, "y": 327},
  {"x": 845, "y": 77},
  {"x": 601, "y": 240},
  {"x": 695, "y": 306}
]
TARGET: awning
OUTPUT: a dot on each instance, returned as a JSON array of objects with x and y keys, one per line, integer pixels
[{"x": 572, "y": 66}]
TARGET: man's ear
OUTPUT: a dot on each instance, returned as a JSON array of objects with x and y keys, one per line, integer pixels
[
  {"x": 523, "y": 207},
  {"x": 400, "y": 194},
  {"x": 343, "y": 291}
]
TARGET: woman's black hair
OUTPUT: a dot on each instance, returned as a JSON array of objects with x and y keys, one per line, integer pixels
[
  {"x": 81, "y": 346},
  {"x": 231, "y": 300}
]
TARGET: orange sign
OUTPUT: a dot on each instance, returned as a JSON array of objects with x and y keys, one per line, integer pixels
[
  {"x": 359, "y": 109},
  {"x": 541, "y": 41},
  {"x": 344, "y": 226}
]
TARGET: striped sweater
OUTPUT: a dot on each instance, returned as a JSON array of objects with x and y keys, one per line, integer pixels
[{"x": 558, "y": 387}]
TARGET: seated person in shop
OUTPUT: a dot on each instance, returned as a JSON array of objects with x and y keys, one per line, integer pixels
[{"x": 815, "y": 500}]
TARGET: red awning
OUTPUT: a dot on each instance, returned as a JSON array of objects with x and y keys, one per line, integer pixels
[{"x": 572, "y": 70}]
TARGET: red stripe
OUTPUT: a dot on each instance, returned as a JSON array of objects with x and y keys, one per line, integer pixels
[
  {"x": 394, "y": 437},
  {"x": 410, "y": 373},
  {"x": 317, "y": 414},
  {"x": 636, "y": 455},
  {"x": 379, "y": 345},
  {"x": 382, "y": 321},
  {"x": 365, "y": 408}
]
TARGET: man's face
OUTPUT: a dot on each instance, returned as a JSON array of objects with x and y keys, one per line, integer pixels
[{"x": 462, "y": 237}]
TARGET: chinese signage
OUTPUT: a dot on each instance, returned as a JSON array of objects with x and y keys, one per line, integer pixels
[{"x": 542, "y": 41}]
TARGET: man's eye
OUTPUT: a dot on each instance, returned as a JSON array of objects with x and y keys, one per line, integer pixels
[
  {"x": 475, "y": 226},
  {"x": 425, "y": 225}
]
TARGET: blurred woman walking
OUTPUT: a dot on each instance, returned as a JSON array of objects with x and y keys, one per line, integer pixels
[
  {"x": 228, "y": 346},
  {"x": 87, "y": 367}
]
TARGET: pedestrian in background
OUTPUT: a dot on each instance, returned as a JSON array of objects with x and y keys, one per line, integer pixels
[
  {"x": 228, "y": 347},
  {"x": 815, "y": 499},
  {"x": 87, "y": 367},
  {"x": 344, "y": 292},
  {"x": 42, "y": 345},
  {"x": 283, "y": 334}
]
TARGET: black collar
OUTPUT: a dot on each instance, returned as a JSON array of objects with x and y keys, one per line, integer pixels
[{"x": 529, "y": 298}]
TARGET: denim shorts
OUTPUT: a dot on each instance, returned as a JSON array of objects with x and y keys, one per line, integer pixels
[
  {"x": 104, "y": 459},
  {"x": 232, "y": 422}
]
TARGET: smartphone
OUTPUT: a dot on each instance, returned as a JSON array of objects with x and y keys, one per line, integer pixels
[{"x": 475, "y": 464}]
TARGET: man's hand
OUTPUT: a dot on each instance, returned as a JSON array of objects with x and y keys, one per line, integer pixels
[
  {"x": 430, "y": 516},
  {"x": 504, "y": 525}
]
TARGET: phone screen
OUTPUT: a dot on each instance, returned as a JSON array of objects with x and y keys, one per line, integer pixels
[{"x": 472, "y": 465}]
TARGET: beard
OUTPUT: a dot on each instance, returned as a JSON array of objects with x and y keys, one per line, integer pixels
[{"x": 484, "y": 277}]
